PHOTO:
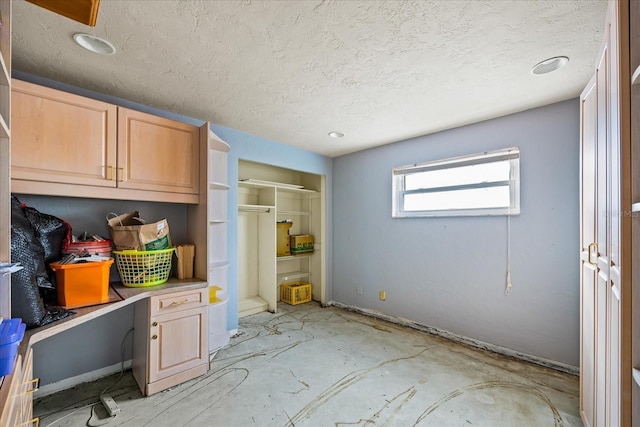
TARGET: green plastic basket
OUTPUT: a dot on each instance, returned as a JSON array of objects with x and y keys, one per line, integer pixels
[{"x": 144, "y": 268}]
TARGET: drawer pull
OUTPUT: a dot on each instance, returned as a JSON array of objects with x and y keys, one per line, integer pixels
[
  {"x": 120, "y": 175},
  {"x": 33, "y": 384},
  {"x": 184, "y": 301},
  {"x": 154, "y": 324},
  {"x": 154, "y": 337},
  {"x": 110, "y": 170}
]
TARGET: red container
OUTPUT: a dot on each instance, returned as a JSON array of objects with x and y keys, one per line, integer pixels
[{"x": 102, "y": 248}]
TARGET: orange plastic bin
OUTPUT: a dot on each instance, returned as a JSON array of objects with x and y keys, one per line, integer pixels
[{"x": 82, "y": 284}]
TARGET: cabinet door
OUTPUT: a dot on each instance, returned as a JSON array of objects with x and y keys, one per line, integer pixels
[
  {"x": 28, "y": 386},
  {"x": 588, "y": 262},
  {"x": 10, "y": 395},
  {"x": 157, "y": 154},
  {"x": 61, "y": 137},
  {"x": 178, "y": 342}
]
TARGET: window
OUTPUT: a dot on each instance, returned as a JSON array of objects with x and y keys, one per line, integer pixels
[{"x": 479, "y": 184}]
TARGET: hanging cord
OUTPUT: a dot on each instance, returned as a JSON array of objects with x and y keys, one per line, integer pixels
[{"x": 507, "y": 290}]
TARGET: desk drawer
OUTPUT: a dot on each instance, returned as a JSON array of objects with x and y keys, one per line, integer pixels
[{"x": 178, "y": 301}]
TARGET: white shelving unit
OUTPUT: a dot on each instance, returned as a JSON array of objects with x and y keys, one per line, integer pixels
[
  {"x": 210, "y": 236},
  {"x": 267, "y": 195},
  {"x": 5, "y": 154}
]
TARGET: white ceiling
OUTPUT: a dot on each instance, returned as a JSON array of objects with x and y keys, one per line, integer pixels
[{"x": 292, "y": 71}]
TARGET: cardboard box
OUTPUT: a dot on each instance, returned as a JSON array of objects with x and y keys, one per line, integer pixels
[
  {"x": 301, "y": 243},
  {"x": 282, "y": 239}
]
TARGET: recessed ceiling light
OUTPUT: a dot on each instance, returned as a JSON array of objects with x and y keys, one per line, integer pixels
[
  {"x": 549, "y": 65},
  {"x": 94, "y": 44},
  {"x": 336, "y": 134}
]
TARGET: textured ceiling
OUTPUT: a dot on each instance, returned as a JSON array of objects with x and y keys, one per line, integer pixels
[{"x": 292, "y": 71}]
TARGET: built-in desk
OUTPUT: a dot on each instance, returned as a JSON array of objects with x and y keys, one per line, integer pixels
[{"x": 160, "y": 311}]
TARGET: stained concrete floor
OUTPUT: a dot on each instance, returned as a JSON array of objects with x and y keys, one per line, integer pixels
[{"x": 313, "y": 366}]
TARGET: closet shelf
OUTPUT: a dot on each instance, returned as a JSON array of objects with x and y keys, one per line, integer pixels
[
  {"x": 255, "y": 208},
  {"x": 635, "y": 78},
  {"x": 289, "y": 188},
  {"x": 294, "y": 213},
  {"x": 290, "y": 257},
  {"x": 292, "y": 276},
  {"x": 251, "y": 305}
]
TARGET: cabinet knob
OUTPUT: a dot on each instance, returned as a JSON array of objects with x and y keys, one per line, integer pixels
[
  {"x": 154, "y": 337},
  {"x": 154, "y": 324}
]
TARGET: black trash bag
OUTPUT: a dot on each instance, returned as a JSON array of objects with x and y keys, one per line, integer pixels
[
  {"x": 50, "y": 231},
  {"x": 34, "y": 258},
  {"x": 26, "y": 299},
  {"x": 26, "y": 302}
]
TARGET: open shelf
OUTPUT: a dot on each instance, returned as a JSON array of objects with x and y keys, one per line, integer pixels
[
  {"x": 218, "y": 186},
  {"x": 253, "y": 305},
  {"x": 294, "y": 213},
  {"x": 255, "y": 208},
  {"x": 635, "y": 78},
  {"x": 291, "y": 257},
  {"x": 293, "y": 276}
]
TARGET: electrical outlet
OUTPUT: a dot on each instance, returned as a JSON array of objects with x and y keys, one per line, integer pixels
[
  {"x": 110, "y": 405},
  {"x": 359, "y": 290},
  {"x": 383, "y": 295}
]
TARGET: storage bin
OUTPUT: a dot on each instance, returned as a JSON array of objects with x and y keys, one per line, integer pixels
[
  {"x": 102, "y": 248},
  {"x": 82, "y": 284},
  {"x": 295, "y": 292},
  {"x": 144, "y": 268},
  {"x": 11, "y": 333}
]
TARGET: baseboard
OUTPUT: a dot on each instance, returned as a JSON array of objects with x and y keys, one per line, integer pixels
[
  {"x": 569, "y": 369},
  {"x": 66, "y": 383}
]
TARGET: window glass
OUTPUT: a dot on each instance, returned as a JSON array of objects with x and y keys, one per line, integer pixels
[{"x": 479, "y": 184}]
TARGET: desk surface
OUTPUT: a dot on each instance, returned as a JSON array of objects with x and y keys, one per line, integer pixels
[{"x": 126, "y": 296}]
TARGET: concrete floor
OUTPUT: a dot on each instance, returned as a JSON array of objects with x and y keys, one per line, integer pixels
[{"x": 316, "y": 367}]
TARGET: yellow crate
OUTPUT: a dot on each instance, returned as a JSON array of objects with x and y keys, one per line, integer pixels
[{"x": 295, "y": 292}]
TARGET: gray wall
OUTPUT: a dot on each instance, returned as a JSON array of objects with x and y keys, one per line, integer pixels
[{"x": 449, "y": 273}]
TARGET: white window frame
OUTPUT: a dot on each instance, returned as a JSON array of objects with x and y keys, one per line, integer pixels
[{"x": 512, "y": 154}]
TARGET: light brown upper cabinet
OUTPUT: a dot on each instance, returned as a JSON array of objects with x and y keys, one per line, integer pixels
[
  {"x": 67, "y": 145},
  {"x": 156, "y": 154}
]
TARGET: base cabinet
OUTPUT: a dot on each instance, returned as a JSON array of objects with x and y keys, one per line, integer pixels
[
  {"x": 17, "y": 394},
  {"x": 170, "y": 340}
]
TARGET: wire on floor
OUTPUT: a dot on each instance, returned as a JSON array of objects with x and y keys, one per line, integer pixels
[{"x": 101, "y": 422}]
